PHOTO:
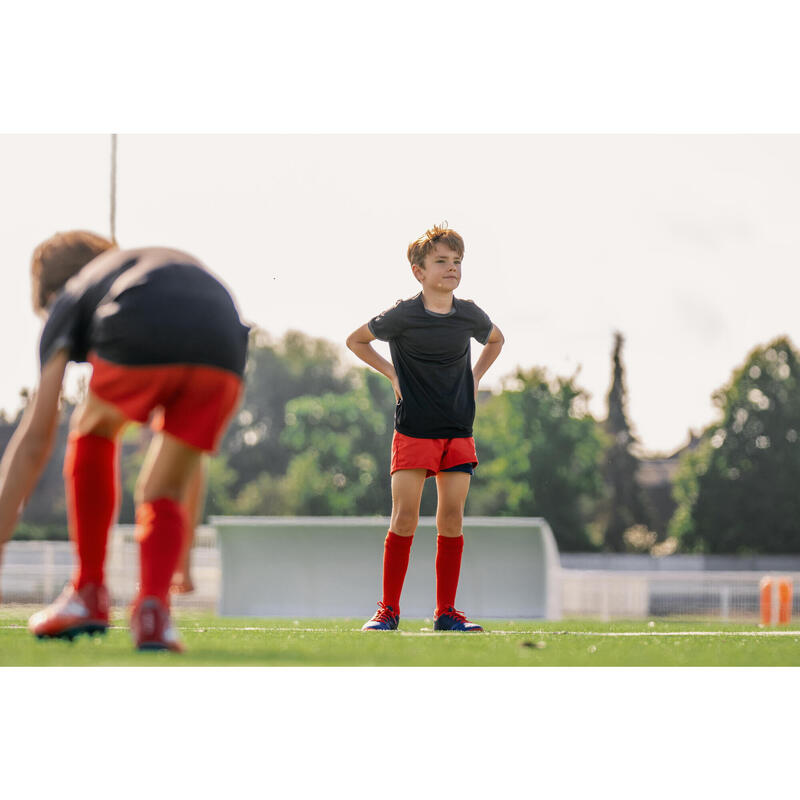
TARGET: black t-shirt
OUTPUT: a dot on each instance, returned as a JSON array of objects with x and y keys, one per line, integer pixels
[
  {"x": 431, "y": 355},
  {"x": 146, "y": 307}
]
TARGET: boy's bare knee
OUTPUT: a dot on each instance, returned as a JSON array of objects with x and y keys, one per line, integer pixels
[
  {"x": 449, "y": 522},
  {"x": 404, "y": 522}
]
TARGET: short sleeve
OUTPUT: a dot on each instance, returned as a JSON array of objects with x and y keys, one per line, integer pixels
[
  {"x": 61, "y": 331},
  {"x": 482, "y": 325},
  {"x": 389, "y": 324}
]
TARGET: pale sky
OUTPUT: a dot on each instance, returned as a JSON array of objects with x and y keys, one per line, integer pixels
[{"x": 689, "y": 245}]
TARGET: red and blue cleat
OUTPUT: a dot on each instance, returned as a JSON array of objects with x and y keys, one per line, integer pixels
[
  {"x": 452, "y": 620},
  {"x": 385, "y": 619},
  {"x": 152, "y": 628}
]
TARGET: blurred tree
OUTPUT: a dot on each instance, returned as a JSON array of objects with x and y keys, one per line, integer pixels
[
  {"x": 738, "y": 492},
  {"x": 540, "y": 453},
  {"x": 277, "y": 372},
  {"x": 341, "y": 445},
  {"x": 625, "y": 506}
]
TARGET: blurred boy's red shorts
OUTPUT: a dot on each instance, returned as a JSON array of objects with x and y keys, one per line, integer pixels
[
  {"x": 193, "y": 403},
  {"x": 433, "y": 455}
]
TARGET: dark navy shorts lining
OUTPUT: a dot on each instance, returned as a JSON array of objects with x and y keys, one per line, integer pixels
[{"x": 468, "y": 468}]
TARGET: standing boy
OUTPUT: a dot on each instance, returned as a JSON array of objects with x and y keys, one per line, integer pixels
[
  {"x": 435, "y": 388},
  {"x": 162, "y": 334}
]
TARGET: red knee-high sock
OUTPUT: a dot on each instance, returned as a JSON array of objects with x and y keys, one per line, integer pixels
[
  {"x": 448, "y": 567},
  {"x": 160, "y": 527},
  {"x": 396, "y": 550},
  {"x": 90, "y": 481}
]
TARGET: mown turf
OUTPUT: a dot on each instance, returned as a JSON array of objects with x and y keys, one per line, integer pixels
[{"x": 217, "y": 641}]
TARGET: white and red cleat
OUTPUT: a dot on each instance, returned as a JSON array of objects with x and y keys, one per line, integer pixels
[
  {"x": 74, "y": 611},
  {"x": 152, "y": 628}
]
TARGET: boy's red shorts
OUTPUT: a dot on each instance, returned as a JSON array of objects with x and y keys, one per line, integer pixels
[
  {"x": 433, "y": 455},
  {"x": 194, "y": 403}
]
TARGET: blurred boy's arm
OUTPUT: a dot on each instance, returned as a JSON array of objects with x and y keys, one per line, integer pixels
[
  {"x": 359, "y": 341},
  {"x": 30, "y": 446},
  {"x": 492, "y": 348}
]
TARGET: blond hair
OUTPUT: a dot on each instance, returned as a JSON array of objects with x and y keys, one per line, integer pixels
[{"x": 438, "y": 234}]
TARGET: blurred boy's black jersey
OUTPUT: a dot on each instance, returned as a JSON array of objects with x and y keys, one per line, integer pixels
[{"x": 146, "y": 307}]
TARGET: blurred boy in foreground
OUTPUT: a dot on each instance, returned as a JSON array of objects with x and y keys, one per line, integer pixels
[{"x": 162, "y": 334}]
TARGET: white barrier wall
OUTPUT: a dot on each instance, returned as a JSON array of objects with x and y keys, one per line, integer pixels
[{"x": 331, "y": 566}]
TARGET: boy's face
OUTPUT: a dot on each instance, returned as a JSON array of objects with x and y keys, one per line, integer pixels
[{"x": 442, "y": 269}]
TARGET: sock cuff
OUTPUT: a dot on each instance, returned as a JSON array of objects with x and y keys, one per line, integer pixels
[
  {"x": 450, "y": 542},
  {"x": 160, "y": 507},
  {"x": 395, "y": 540},
  {"x": 87, "y": 445},
  {"x": 90, "y": 439}
]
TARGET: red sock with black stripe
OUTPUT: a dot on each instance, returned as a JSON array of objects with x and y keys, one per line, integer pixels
[
  {"x": 448, "y": 569},
  {"x": 396, "y": 552},
  {"x": 90, "y": 482},
  {"x": 160, "y": 526}
]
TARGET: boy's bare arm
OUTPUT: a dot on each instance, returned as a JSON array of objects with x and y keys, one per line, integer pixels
[
  {"x": 359, "y": 341},
  {"x": 30, "y": 446},
  {"x": 491, "y": 350}
]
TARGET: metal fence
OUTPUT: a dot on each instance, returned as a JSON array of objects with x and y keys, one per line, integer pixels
[
  {"x": 730, "y": 595},
  {"x": 35, "y": 572}
]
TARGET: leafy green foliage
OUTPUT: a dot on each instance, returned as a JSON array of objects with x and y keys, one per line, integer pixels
[
  {"x": 341, "y": 445},
  {"x": 738, "y": 492},
  {"x": 252, "y": 473},
  {"x": 276, "y": 373},
  {"x": 540, "y": 452}
]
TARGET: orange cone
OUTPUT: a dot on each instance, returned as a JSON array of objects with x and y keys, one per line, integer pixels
[
  {"x": 765, "y": 593},
  {"x": 776, "y": 600},
  {"x": 785, "y": 601}
]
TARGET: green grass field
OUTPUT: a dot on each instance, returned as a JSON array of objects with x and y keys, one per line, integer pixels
[{"x": 218, "y": 641}]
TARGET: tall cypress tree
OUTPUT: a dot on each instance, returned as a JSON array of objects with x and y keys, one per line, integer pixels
[{"x": 625, "y": 506}]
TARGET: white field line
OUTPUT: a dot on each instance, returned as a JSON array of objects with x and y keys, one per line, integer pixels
[
  {"x": 430, "y": 632},
  {"x": 653, "y": 633}
]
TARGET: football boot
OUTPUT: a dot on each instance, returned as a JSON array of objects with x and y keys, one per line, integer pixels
[
  {"x": 385, "y": 619},
  {"x": 452, "y": 620},
  {"x": 152, "y": 628}
]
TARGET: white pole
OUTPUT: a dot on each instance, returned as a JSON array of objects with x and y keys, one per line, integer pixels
[{"x": 114, "y": 187}]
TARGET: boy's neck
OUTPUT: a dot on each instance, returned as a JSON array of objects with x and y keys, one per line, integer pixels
[{"x": 438, "y": 302}]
